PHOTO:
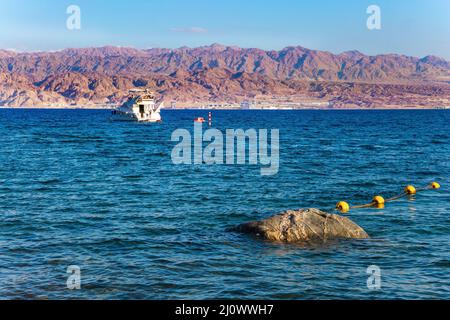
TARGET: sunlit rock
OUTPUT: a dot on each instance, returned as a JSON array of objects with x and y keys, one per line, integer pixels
[{"x": 303, "y": 225}]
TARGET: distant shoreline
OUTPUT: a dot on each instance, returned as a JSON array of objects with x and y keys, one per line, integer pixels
[{"x": 231, "y": 109}]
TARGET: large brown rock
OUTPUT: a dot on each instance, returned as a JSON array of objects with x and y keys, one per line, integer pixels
[{"x": 303, "y": 226}]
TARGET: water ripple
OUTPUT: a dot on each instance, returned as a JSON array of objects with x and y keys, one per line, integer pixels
[{"x": 76, "y": 189}]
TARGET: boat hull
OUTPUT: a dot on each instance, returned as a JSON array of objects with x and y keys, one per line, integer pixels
[{"x": 131, "y": 117}]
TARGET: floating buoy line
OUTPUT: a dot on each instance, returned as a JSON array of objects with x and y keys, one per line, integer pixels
[{"x": 379, "y": 202}]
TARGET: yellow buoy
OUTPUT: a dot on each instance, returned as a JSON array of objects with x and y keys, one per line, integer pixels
[
  {"x": 410, "y": 190},
  {"x": 342, "y": 206},
  {"x": 435, "y": 185},
  {"x": 378, "y": 200}
]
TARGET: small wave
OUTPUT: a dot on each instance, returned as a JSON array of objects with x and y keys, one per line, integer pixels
[
  {"x": 50, "y": 181},
  {"x": 132, "y": 177},
  {"x": 442, "y": 263},
  {"x": 117, "y": 242}
]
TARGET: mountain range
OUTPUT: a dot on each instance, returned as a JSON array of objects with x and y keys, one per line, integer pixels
[{"x": 217, "y": 73}]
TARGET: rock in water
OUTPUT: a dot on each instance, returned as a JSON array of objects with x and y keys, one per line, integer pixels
[{"x": 303, "y": 225}]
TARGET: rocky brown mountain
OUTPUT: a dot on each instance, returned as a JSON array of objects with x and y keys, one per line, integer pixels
[{"x": 221, "y": 73}]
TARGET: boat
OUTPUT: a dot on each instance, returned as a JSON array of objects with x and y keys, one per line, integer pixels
[{"x": 140, "y": 106}]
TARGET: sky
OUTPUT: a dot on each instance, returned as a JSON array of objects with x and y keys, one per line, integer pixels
[{"x": 410, "y": 27}]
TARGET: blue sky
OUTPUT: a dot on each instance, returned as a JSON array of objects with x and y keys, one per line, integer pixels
[{"x": 411, "y": 27}]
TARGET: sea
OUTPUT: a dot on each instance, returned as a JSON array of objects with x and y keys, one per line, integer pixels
[{"x": 94, "y": 209}]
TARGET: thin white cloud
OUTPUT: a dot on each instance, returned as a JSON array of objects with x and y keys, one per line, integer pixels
[{"x": 190, "y": 30}]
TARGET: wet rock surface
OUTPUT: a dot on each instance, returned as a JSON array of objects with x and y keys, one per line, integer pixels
[{"x": 303, "y": 225}]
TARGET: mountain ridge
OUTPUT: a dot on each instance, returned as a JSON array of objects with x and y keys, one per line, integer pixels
[{"x": 102, "y": 75}]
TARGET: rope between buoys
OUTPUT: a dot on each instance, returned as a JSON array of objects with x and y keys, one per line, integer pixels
[{"x": 379, "y": 201}]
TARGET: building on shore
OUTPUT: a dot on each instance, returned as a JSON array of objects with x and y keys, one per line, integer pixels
[{"x": 245, "y": 105}]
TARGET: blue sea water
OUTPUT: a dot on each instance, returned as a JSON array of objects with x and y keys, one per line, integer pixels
[{"x": 76, "y": 189}]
